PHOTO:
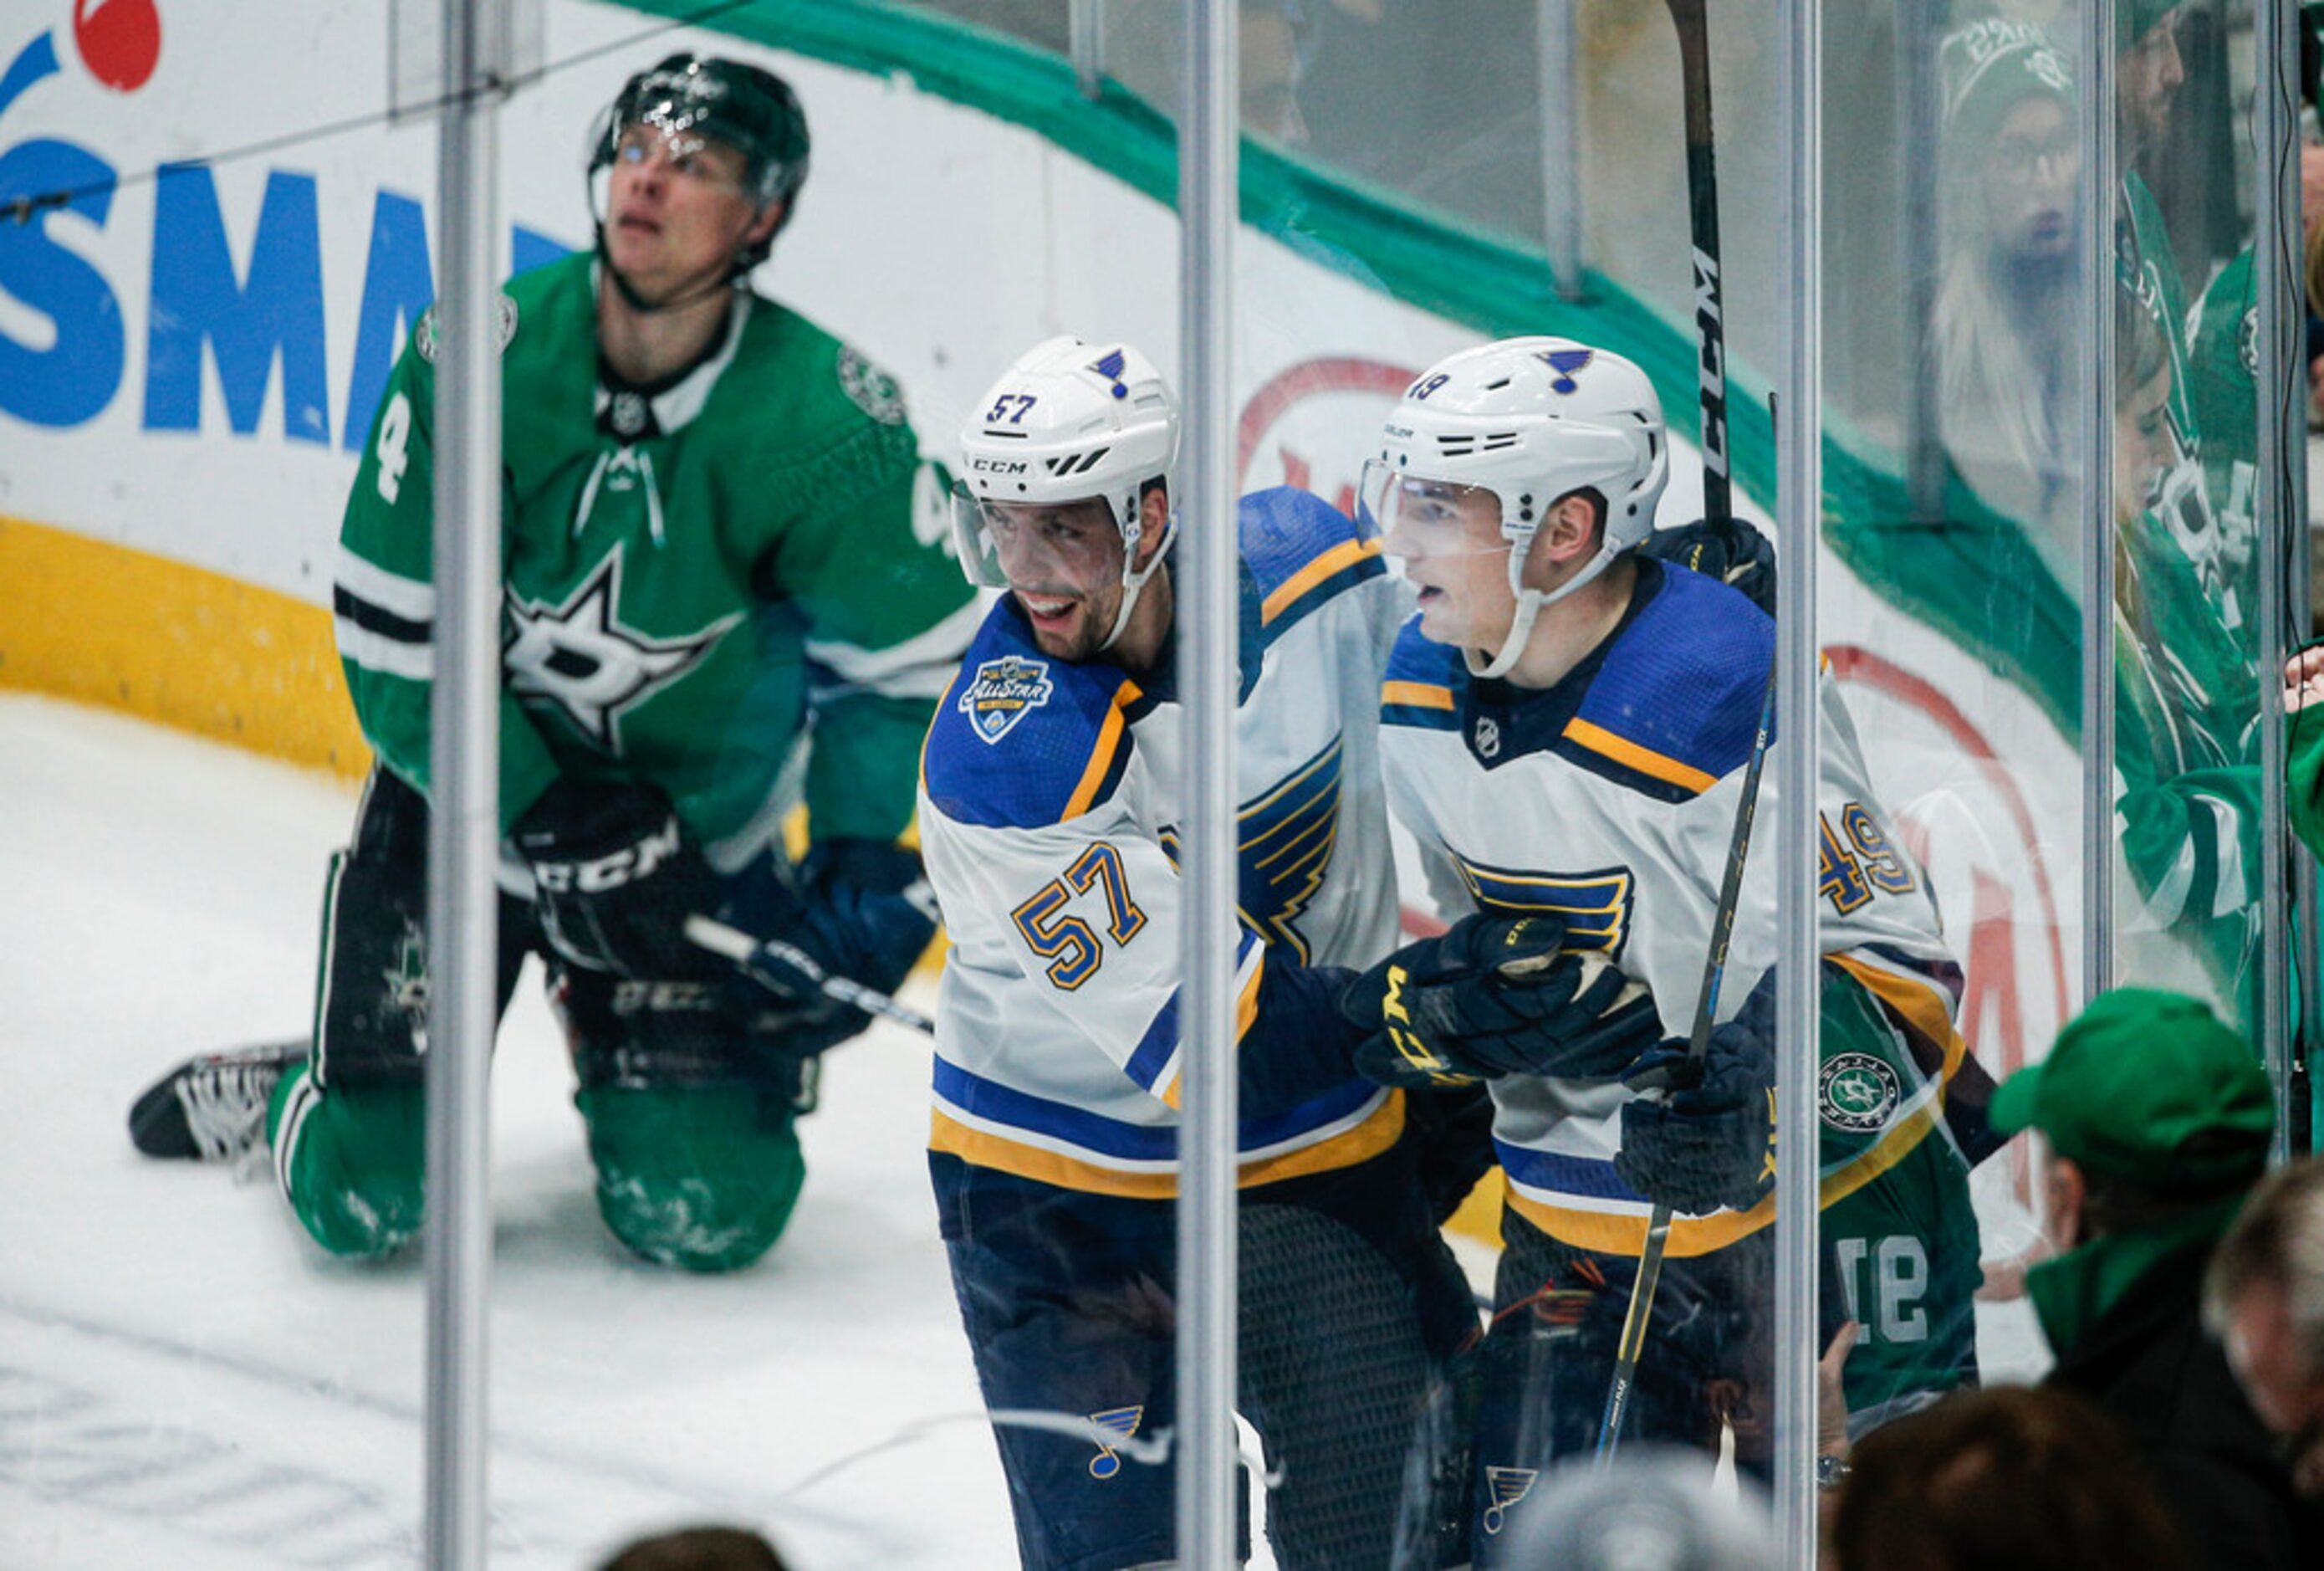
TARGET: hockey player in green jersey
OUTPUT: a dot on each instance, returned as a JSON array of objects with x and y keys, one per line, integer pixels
[
  {"x": 710, "y": 553},
  {"x": 1566, "y": 724}
]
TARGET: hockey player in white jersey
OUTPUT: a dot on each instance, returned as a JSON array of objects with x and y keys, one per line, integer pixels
[
  {"x": 1050, "y": 813},
  {"x": 1566, "y": 727}
]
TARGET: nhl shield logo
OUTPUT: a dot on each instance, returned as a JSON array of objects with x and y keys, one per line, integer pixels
[
  {"x": 1858, "y": 1092},
  {"x": 1005, "y": 692}
]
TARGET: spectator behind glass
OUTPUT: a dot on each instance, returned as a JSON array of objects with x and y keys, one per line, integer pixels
[
  {"x": 698, "y": 1549},
  {"x": 2034, "y": 1480},
  {"x": 2157, "y": 1120},
  {"x": 2186, "y": 696},
  {"x": 2003, "y": 327},
  {"x": 2263, "y": 1297}
]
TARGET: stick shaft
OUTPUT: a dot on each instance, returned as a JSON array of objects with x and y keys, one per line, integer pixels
[
  {"x": 1658, "y": 1224},
  {"x": 1718, "y": 506},
  {"x": 1702, "y": 223},
  {"x": 735, "y": 944}
]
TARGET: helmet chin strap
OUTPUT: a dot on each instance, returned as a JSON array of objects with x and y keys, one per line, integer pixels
[
  {"x": 1134, "y": 579},
  {"x": 1529, "y": 606}
]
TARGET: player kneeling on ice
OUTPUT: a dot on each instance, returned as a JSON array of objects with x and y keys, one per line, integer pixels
[
  {"x": 709, "y": 547},
  {"x": 1051, "y": 808},
  {"x": 1568, "y": 724}
]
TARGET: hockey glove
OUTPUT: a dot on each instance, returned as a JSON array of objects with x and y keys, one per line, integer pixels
[
  {"x": 616, "y": 873},
  {"x": 1709, "y": 1142},
  {"x": 1494, "y": 996},
  {"x": 866, "y": 915},
  {"x": 1729, "y": 550}
]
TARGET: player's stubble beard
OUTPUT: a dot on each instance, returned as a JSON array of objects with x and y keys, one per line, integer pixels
[{"x": 1085, "y": 637}]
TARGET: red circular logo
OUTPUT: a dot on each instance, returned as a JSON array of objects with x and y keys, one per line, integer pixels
[{"x": 120, "y": 40}]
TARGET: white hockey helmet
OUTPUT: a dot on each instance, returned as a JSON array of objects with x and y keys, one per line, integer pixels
[
  {"x": 1070, "y": 421},
  {"x": 1530, "y": 420}
]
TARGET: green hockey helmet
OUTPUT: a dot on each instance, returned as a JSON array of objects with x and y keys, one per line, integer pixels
[{"x": 693, "y": 97}]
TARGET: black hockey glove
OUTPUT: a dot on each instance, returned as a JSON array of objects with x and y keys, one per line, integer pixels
[
  {"x": 1709, "y": 1142},
  {"x": 616, "y": 873},
  {"x": 1730, "y": 551},
  {"x": 866, "y": 915},
  {"x": 1492, "y": 997}
]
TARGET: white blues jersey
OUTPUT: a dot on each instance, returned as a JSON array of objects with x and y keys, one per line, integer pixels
[
  {"x": 1609, "y": 800},
  {"x": 1050, "y": 809}
]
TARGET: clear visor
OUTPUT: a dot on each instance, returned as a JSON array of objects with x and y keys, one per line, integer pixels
[
  {"x": 674, "y": 140},
  {"x": 1413, "y": 515},
  {"x": 1066, "y": 547}
]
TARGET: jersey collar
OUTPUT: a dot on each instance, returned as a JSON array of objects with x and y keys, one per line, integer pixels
[
  {"x": 629, "y": 412},
  {"x": 1500, "y": 720}
]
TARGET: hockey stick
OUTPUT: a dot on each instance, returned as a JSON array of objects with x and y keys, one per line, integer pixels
[
  {"x": 1698, "y": 1044},
  {"x": 1702, "y": 221},
  {"x": 733, "y": 944},
  {"x": 1703, "y": 194}
]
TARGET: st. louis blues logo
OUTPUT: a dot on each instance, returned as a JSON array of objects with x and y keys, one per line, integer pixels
[
  {"x": 1507, "y": 1485},
  {"x": 1567, "y": 364},
  {"x": 1284, "y": 839},
  {"x": 1120, "y": 1423},
  {"x": 1005, "y": 692},
  {"x": 1112, "y": 367}
]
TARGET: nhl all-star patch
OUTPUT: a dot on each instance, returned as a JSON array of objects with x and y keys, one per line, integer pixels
[
  {"x": 1858, "y": 1092},
  {"x": 871, "y": 389},
  {"x": 1005, "y": 692},
  {"x": 423, "y": 336}
]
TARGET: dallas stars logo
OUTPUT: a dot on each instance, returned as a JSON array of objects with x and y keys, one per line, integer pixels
[
  {"x": 407, "y": 982},
  {"x": 1859, "y": 1092},
  {"x": 580, "y": 659}
]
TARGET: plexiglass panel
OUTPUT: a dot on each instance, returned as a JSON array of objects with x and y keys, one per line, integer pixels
[
  {"x": 902, "y": 541},
  {"x": 2186, "y": 692}
]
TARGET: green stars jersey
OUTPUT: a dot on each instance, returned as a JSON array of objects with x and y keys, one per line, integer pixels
[
  {"x": 696, "y": 574},
  {"x": 2146, "y": 265}
]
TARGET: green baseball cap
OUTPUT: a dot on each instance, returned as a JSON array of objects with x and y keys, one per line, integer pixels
[{"x": 2148, "y": 1088}]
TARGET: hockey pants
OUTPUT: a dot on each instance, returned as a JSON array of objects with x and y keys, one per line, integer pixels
[
  {"x": 690, "y": 1118},
  {"x": 1351, "y": 1312}
]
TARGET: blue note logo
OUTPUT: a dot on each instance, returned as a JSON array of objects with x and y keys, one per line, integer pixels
[
  {"x": 1112, "y": 366},
  {"x": 1567, "y": 364},
  {"x": 1005, "y": 692},
  {"x": 1507, "y": 1486},
  {"x": 1120, "y": 1423}
]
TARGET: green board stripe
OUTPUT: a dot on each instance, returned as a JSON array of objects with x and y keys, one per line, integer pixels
[{"x": 1969, "y": 575}]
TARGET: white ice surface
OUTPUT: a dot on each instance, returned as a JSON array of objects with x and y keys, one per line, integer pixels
[{"x": 185, "y": 1381}]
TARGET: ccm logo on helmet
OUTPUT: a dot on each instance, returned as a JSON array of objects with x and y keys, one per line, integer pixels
[{"x": 999, "y": 466}]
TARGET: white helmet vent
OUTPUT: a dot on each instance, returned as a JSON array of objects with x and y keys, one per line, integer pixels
[
  {"x": 1463, "y": 444},
  {"x": 1077, "y": 463}
]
